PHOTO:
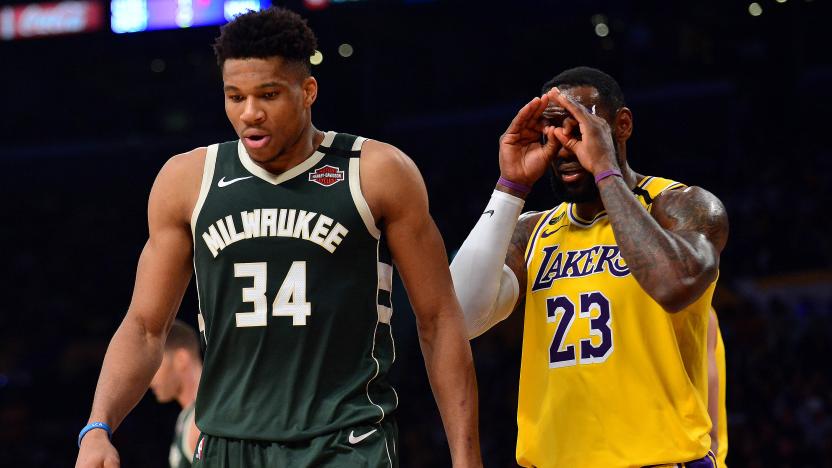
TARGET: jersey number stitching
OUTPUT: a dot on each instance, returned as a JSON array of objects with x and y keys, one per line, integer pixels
[
  {"x": 561, "y": 355},
  {"x": 289, "y": 302}
]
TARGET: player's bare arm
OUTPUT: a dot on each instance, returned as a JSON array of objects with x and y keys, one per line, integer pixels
[
  {"x": 398, "y": 200},
  {"x": 163, "y": 272},
  {"x": 713, "y": 382},
  {"x": 516, "y": 255},
  {"x": 672, "y": 252},
  {"x": 193, "y": 433}
]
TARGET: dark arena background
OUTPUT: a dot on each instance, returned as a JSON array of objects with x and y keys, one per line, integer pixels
[{"x": 732, "y": 96}]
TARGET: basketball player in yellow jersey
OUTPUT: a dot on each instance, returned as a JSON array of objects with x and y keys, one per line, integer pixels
[
  {"x": 716, "y": 391},
  {"x": 615, "y": 280}
]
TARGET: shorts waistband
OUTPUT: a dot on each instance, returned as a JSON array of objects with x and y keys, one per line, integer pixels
[{"x": 708, "y": 461}]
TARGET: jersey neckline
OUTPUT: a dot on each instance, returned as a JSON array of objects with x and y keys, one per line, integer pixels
[
  {"x": 276, "y": 179},
  {"x": 571, "y": 209}
]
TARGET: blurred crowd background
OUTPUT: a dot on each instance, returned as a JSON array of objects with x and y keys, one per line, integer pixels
[{"x": 732, "y": 96}]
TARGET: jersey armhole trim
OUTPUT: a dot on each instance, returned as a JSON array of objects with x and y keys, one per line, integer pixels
[
  {"x": 544, "y": 218},
  {"x": 205, "y": 187},
  {"x": 358, "y": 198}
]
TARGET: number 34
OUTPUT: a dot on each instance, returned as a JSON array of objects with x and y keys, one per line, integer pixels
[
  {"x": 289, "y": 302},
  {"x": 599, "y": 326}
]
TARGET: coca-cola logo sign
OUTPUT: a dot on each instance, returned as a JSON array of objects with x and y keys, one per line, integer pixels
[{"x": 49, "y": 19}]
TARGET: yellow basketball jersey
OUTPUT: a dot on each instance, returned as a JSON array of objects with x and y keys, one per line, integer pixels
[
  {"x": 604, "y": 379},
  {"x": 722, "y": 428}
]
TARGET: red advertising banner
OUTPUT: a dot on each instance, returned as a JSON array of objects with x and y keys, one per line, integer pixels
[{"x": 50, "y": 19}]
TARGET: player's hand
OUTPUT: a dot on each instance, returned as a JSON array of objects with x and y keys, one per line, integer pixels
[
  {"x": 593, "y": 147},
  {"x": 523, "y": 159},
  {"x": 97, "y": 452}
]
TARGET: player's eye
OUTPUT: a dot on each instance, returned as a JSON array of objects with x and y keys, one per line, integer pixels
[
  {"x": 236, "y": 98},
  {"x": 270, "y": 95}
]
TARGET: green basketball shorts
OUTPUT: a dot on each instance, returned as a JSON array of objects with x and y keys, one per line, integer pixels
[{"x": 363, "y": 446}]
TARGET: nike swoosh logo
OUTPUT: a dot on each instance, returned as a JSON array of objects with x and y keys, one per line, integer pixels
[
  {"x": 488, "y": 212},
  {"x": 225, "y": 183},
  {"x": 546, "y": 234},
  {"x": 354, "y": 440}
]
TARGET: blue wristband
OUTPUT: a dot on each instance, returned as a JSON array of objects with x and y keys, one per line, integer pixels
[{"x": 91, "y": 426}]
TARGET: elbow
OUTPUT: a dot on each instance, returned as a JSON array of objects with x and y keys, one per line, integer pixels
[{"x": 674, "y": 296}]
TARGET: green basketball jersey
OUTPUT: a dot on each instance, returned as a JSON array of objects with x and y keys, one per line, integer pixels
[{"x": 294, "y": 286}]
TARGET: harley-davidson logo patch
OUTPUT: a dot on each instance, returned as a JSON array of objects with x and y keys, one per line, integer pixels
[{"x": 326, "y": 175}]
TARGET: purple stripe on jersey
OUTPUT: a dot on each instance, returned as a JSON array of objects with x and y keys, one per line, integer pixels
[{"x": 533, "y": 240}]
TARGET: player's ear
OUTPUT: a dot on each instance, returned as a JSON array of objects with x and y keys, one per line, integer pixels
[
  {"x": 623, "y": 124},
  {"x": 310, "y": 90},
  {"x": 180, "y": 358}
]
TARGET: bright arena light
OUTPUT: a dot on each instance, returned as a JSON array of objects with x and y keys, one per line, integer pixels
[
  {"x": 602, "y": 30},
  {"x": 755, "y": 9},
  {"x": 781, "y": 1},
  {"x": 345, "y": 50},
  {"x": 316, "y": 58}
]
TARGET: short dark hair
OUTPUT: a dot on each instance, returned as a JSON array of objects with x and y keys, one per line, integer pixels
[
  {"x": 273, "y": 32},
  {"x": 611, "y": 95},
  {"x": 182, "y": 336}
]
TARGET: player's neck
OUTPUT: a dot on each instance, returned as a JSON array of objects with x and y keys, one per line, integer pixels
[
  {"x": 299, "y": 151},
  {"x": 190, "y": 384}
]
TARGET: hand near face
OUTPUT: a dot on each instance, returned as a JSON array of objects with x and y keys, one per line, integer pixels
[
  {"x": 592, "y": 142},
  {"x": 523, "y": 159}
]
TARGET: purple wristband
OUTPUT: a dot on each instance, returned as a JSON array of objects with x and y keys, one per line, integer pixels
[
  {"x": 608, "y": 173},
  {"x": 514, "y": 185}
]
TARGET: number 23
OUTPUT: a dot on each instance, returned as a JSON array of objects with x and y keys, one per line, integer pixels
[{"x": 564, "y": 356}]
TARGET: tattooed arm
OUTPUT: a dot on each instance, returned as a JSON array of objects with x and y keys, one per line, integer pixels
[
  {"x": 674, "y": 251},
  {"x": 516, "y": 255}
]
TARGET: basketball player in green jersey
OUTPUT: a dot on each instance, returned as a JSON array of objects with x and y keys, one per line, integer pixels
[
  {"x": 292, "y": 233},
  {"x": 177, "y": 379}
]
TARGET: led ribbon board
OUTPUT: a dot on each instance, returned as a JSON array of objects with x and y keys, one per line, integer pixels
[
  {"x": 50, "y": 19},
  {"x": 146, "y": 15}
]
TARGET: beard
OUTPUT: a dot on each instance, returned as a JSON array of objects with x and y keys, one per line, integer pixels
[
  {"x": 579, "y": 192},
  {"x": 582, "y": 191}
]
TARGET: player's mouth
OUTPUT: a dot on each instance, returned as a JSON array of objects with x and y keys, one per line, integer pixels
[
  {"x": 256, "y": 140},
  {"x": 571, "y": 173}
]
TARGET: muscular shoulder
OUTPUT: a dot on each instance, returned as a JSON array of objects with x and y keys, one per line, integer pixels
[
  {"x": 516, "y": 254},
  {"x": 390, "y": 180},
  {"x": 188, "y": 165},
  {"x": 528, "y": 220},
  {"x": 177, "y": 185},
  {"x": 523, "y": 231},
  {"x": 384, "y": 158},
  {"x": 693, "y": 209}
]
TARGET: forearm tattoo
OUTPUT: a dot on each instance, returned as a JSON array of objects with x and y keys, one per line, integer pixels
[
  {"x": 673, "y": 253},
  {"x": 516, "y": 255}
]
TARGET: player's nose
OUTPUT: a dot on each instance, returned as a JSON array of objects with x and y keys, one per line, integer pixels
[{"x": 252, "y": 113}]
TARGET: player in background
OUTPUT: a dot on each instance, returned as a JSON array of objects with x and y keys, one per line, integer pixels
[{"x": 178, "y": 379}]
